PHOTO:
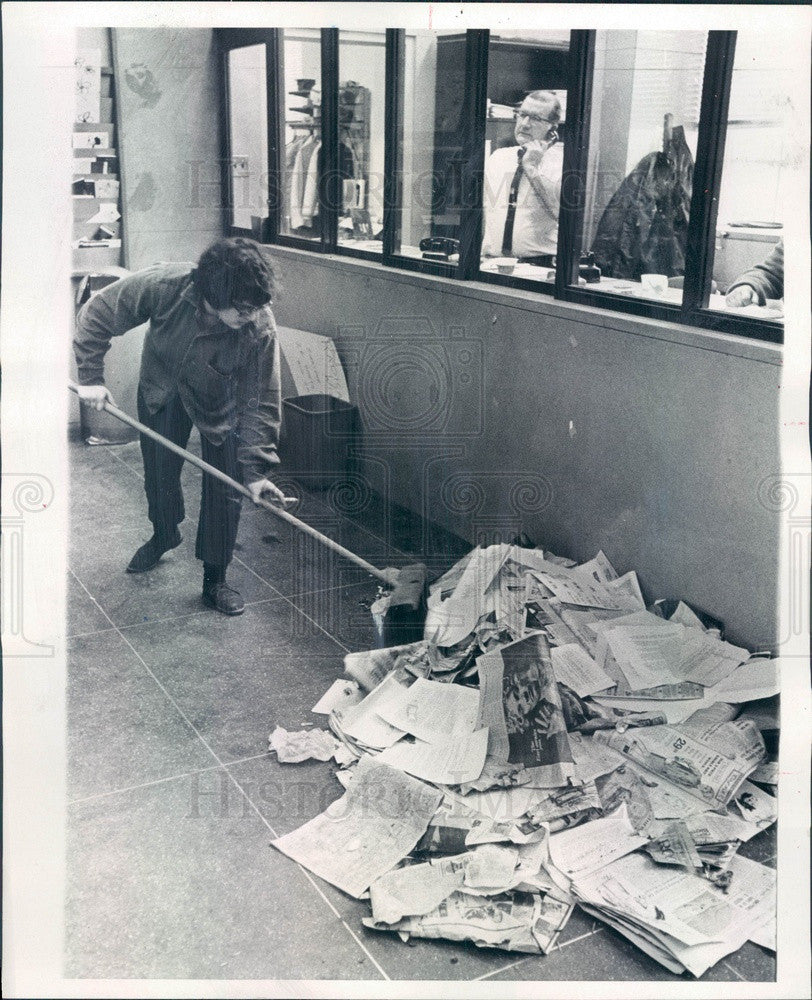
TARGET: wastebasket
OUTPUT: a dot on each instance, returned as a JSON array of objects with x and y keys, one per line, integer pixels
[{"x": 317, "y": 434}]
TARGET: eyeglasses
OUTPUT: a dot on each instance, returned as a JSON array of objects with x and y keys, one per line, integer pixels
[
  {"x": 535, "y": 119},
  {"x": 248, "y": 310}
]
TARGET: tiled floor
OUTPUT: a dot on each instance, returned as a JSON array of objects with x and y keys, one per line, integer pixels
[{"x": 173, "y": 797}]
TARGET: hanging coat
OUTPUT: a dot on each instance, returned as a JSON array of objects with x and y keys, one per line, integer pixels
[{"x": 644, "y": 227}]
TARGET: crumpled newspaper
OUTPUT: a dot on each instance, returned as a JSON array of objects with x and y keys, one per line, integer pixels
[{"x": 307, "y": 744}]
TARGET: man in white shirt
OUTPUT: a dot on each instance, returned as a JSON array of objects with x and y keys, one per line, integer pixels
[{"x": 522, "y": 186}]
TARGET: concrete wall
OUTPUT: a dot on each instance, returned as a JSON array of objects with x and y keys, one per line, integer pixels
[{"x": 491, "y": 412}]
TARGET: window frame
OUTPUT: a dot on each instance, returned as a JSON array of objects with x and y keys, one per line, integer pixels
[{"x": 693, "y": 311}]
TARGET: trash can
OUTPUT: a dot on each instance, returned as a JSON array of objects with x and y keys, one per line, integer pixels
[{"x": 318, "y": 432}]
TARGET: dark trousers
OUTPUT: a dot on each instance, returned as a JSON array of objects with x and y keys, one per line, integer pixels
[{"x": 219, "y": 504}]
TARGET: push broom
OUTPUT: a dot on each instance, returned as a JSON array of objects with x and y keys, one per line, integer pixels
[{"x": 406, "y": 614}]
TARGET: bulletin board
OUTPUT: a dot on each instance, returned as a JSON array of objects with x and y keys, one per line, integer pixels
[{"x": 167, "y": 95}]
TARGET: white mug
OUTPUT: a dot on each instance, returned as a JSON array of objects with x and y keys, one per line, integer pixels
[{"x": 656, "y": 284}]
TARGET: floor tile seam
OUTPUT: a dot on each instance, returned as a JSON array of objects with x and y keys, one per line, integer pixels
[
  {"x": 87, "y": 635},
  {"x": 372, "y": 534},
  {"x": 312, "y": 593},
  {"x": 143, "y": 663},
  {"x": 502, "y": 968},
  {"x": 581, "y": 937},
  {"x": 356, "y": 524},
  {"x": 126, "y": 465},
  {"x": 734, "y": 970},
  {"x": 152, "y": 621},
  {"x": 294, "y": 606},
  {"x": 309, "y": 877},
  {"x": 192, "y": 614},
  {"x": 220, "y": 764},
  {"x": 521, "y": 961},
  {"x": 162, "y": 781}
]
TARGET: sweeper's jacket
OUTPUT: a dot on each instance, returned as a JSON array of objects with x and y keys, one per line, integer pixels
[{"x": 228, "y": 380}]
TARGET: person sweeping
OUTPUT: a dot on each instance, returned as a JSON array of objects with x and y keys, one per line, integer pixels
[{"x": 210, "y": 360}]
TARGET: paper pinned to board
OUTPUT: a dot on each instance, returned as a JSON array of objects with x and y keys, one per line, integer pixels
[
  {"x": 87, "y": 64},
  {"x": 310, "y": 365}
]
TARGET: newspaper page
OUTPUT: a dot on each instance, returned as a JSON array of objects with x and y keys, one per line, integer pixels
[
  {"x": 574, "y": 667},
  {"x": 589, "y": 593},
  {"x": 668, "y": 801},
  {"x": 627, "y": 587},
  {"x": 698, "y": 922},
  {"x": 591, "y": 846},
  {"x": 372, "y": 666},
  {"x": 683, "y": 691},
  {"x": 675, "y": 846},
  {"x": 520, "y": 703},
  {"x": 647, "y": 654},
  {"x": 433, "y": 711},
  {"x": 366, "y": 832},
  {"x": 415, "y": 889},
  {"x": 751, "y": 681},
  {"x": 444, "y": 762},
  {"x": 340, "y": 694},
  {"x": 753, "y": 892},
  {"x": 591, "y": 759},
  {"x": 449, "y": 621},
  {"x": 756, "y": 807},
  {"x": 691, "y": 765},
  {"x": 362, "y": 721},
  {"x": 598, "y": 568},
  {"x": 623, "y": 785},
  {"x": 514, "y": 921},
  {"x": 707, "y": 659},
  {"x": 557, "y": 802},
  {"x": 657, "y": 896}
]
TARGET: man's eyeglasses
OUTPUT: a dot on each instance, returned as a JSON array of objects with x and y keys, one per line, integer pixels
[{"x": 535, "y": 119}]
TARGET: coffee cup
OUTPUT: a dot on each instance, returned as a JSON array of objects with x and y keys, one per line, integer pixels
[
  {"x": 654, "y": 284},
  {"x": 505, "y": 265}
]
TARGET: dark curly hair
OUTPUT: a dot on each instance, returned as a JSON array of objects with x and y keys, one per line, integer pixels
[{"x": 235, "y": 272}]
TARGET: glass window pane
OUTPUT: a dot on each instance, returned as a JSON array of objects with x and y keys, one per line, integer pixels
[
  {"x": 764, "y": 152},
  {"x": 361, "y": 98},
  {"x": 524, "y": 151},
  {"x": 642, "y": 146},
  {"x": 301, "y": 161},
  {"x": 431, "y": 147},
  {"x": 248, "y": 136}
]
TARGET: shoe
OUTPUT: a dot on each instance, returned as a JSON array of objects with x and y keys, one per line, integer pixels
[
  {"x": 223, "y": 598},
  {"x": 147, "y": 557}
]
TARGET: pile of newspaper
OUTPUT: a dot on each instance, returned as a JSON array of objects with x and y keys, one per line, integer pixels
[{"x": 551, "y": 742}]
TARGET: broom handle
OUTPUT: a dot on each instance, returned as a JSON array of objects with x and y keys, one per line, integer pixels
[{"x": 212, "y": 471}]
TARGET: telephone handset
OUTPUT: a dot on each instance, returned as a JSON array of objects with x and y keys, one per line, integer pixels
[{"x": 439, "y": 247}]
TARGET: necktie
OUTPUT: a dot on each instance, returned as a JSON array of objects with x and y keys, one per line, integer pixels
[{"x": 510, "y": 218}]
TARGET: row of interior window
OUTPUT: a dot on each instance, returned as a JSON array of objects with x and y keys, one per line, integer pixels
[{"x": 645, "y": 95}]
